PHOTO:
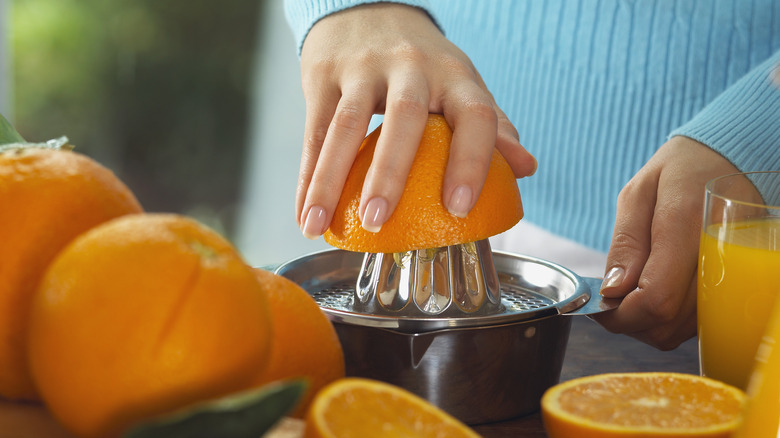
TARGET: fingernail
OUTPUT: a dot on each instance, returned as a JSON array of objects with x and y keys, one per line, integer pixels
[
  {"x": 613, "y": 278},
  {"x": 460, "y": 201},
  {"x": 375, "y": 215},
  {"x": 314, "y": 225}
]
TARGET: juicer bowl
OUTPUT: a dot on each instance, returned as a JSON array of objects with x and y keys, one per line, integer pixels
[{"x": 480, "y": 368}]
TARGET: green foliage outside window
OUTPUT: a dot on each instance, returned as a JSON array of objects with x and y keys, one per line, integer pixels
[{"x": 156, "y": 90}]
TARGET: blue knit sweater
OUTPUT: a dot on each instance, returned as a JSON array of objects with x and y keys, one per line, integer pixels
[{"x": 594, "y": 87}]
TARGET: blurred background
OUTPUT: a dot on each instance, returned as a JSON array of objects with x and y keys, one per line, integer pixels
[{"x": 194, "y": 104}]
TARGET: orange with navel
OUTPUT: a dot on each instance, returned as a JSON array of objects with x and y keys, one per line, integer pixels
[
  {"x": 420, "y": 219},
  {"x": 143, "y": 315},
  {"x": 304, "y": 344},
  {"x": 660, "y": 404},
  {"x": 48, "y": 197}
]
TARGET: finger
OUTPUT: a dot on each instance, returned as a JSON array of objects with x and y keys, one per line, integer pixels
[
  {"x": 321, "y": 105},
  {"x": 630, "y": 246},
  {"x": 664, "y": 299},
  {"x": 508, "y": 140},
  {"x": 662, "y": 336},
  {"x": 508, "y": 143},
  {"x": 406, "y": 113},
  {"x": 345, "y": 134},
  {"x": 474, "y": 122}
]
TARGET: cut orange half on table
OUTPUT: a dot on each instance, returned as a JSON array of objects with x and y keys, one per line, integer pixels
[
  {"x": 359, "y": 408},
  {"x": 420, "y": 220},
  {"x": 657, "y": 404}
]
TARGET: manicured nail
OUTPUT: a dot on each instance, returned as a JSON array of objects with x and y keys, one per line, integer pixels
[
  {"x": 314, "y": 225},
  {"x": 375, "y": 215},
  {"x": 613, "y": 278},
  {"x": 460, "y": 201}
]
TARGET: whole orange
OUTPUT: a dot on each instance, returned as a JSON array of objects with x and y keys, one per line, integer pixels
[
  {"x": 48, "y": 197},
  {"x": 420, "y": 219},
  {"x": 305, "y": 343},
  {"x": 143, "y": 315}
]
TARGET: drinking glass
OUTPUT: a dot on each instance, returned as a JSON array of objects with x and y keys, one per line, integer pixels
[{"x": 739, "y": 272}]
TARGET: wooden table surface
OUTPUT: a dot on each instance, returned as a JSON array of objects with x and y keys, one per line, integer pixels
[{"x": 591, "y": 350}]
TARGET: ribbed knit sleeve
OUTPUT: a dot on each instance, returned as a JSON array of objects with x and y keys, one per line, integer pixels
[
  {"x": 302, "y": 14},
  {"x": 594, "y": 88},
  {"x": 742, "y": 123}
]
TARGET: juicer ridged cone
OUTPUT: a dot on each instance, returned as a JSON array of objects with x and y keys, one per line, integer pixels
[{"x": 453, "y": 281}]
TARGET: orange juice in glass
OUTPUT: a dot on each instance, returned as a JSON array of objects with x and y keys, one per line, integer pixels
[
  {"x": 739, "y": 272},
  {"x": 761, "y": 415}
]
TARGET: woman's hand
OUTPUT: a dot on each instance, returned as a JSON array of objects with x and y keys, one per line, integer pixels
[
  {"x": 653, "y": 259},
  {"x": 392, "y": 59}
]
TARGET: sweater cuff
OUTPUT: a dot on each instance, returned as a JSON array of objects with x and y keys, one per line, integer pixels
[
  {"x": 743, "y": 122},
  {"x": 303, "y": 14}
]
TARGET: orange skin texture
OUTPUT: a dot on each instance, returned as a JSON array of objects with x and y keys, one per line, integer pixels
[
  {"x": 48, "y": 197},
  {"x": 305, "y": 343},
  {"x": 141, "y": 316},
  {"x": 557, "y": 428},
  {"x": 420, "y": 219},
  {"x": 560, "y": 428}
]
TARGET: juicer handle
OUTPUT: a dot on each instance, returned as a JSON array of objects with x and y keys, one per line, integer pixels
[{"x": 596, "y": 303}]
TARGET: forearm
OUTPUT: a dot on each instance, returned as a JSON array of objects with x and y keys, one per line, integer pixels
[{"x": 743, "y": 123}]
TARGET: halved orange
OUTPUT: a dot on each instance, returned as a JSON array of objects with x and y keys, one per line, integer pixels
[
  {"x": 420, "y": 220},
  {"x": 357, "y": 407},
  {"x": 659, "y": 404}
]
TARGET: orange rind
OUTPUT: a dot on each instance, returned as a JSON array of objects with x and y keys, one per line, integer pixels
[{"x": 420, "y": 220}]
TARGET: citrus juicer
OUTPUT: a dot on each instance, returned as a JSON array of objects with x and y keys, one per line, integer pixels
[
  {"x": 481, "y": 334},
  {"x": 476, "y": 332}
]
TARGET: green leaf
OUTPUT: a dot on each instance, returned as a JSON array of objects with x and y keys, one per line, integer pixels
[
  {"x": 247, "y": 414},
  {"x": 10, "y": 139},
  {"x": 7, "y": 132}
]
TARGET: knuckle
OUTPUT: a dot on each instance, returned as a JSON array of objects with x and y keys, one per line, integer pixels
[
  {"x": 313, "y": 142},
  {"x": 677, "y": 208},
  {"x": 407, "y": 102},
  {"x": 388, "y": 176},
  {"x": 456, "y": 66},
  {"x": 409, "y": 52},
  {"x": 659, "y": 306},
  {"x": 324, "y": 190},
  {"x": 507, "y": 128},
  {"x": 627, "y": 192},
  {"x": 347, "y": 118},
  {"x": 304, "y": 178},
  {"x": 313, "y": 71},
  {"x": 482, "y": 110},
  {"x": 623, "y": 240}
]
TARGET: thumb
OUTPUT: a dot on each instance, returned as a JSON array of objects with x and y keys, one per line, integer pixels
[{"x": 630, "y": 247}]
